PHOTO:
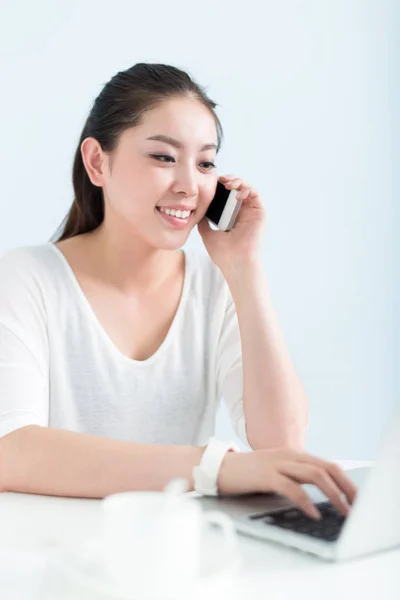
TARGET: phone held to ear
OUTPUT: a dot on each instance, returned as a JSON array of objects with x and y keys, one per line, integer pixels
[{"x": 223, "y": 208}]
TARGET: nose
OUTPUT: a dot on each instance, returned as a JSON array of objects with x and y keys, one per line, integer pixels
[{"x": 186, "y": 183}]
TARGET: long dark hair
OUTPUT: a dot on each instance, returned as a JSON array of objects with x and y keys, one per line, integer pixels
[{"x": 120, "y": 105}]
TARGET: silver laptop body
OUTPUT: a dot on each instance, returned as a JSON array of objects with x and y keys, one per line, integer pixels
[{"x": 372, "y": 525}]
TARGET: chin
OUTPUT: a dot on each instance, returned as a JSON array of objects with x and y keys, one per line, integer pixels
[{"x": 173, "y": 243}]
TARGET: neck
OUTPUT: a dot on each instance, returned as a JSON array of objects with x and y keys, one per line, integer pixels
[{"x": 127, "y": 262}]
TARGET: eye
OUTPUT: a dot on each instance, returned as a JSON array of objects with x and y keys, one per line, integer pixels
[
  {"x": 169, "y": 158},
  {"x": 212, "y": 165},
  {"x": 160, "y": 156}
]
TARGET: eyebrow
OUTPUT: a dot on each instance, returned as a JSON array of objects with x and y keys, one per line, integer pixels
[{"x": 172, "y": 142}]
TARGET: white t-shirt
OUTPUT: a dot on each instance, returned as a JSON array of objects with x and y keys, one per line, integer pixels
[{"x": 59, "y": 367}]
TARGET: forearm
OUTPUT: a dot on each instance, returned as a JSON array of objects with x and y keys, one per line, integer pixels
[
  {"x": 44, "y": 460},
  {"x": 274, "y": 400}
]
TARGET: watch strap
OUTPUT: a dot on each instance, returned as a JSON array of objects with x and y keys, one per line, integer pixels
[{"x": 205, "y": 475}]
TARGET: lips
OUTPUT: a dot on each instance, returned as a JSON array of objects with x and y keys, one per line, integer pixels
[{"x": 176, "y": 222}]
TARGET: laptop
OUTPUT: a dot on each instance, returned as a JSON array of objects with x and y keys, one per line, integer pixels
[{"x": 372, "y": 525}]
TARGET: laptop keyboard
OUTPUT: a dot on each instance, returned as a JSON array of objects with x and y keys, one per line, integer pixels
[{"x": 327, "y": 528}]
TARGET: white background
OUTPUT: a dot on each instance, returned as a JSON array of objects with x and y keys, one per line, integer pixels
[{"x": 308, "y": 97}]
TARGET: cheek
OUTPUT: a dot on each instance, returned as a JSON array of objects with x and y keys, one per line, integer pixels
[
  {"x": 206, "y": 195},
  {"x": 130, "y": 192}
]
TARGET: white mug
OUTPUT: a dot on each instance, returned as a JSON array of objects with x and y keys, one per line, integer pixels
[{"x": 150, "y": 543}]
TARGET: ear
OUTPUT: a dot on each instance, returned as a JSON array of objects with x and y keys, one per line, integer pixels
[{"x": 94, "y": 160}]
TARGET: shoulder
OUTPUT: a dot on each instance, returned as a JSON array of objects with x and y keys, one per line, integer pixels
[
  {"x": 23, "y": 306},
  {"x": 207, "y": 278},
  {"x": 25, "y": 273},
  {"x": 26, "y": 263},
  {"x": 23, "y": 259}
]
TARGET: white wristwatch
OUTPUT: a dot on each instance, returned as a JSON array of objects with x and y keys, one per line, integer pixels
[{"x": 205, "y": 475}]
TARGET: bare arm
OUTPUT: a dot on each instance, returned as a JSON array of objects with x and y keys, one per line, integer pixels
[
  {"x": 42, "y": 460},
  {"x": 56, "y": 462},
  {"x": 274, "y": 399}
]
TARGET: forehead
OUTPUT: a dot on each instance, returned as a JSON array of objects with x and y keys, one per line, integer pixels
[{"x": 185, "y": 119}]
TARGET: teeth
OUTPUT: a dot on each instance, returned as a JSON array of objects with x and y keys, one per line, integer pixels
[{"x": 181, "y": 214}]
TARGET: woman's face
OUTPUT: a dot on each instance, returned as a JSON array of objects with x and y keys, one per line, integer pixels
[{"x": 149, "y": 176}]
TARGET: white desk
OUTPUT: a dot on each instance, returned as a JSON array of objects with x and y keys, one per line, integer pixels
[{"x": 269, "y": 570}]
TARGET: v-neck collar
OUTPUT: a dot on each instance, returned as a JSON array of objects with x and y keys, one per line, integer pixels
[{"x": 87, "y": 307}]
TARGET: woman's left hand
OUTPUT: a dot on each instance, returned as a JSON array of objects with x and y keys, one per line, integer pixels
[{"x": 240, "y": 245}]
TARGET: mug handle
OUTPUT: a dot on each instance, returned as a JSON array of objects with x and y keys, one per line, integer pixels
[{"x": 231, "y": 546}]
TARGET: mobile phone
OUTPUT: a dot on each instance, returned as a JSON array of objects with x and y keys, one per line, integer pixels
[{"x": 223, "y": 208}]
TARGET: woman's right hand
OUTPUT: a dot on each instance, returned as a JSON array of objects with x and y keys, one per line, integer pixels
[{"x": 282, "y": 470}]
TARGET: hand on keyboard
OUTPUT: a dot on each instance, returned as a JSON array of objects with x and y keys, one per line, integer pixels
[{"x": 283, "y": 470}]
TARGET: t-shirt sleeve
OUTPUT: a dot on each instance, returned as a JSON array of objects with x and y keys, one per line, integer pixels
[
  {"x": 24, "y": 387},
  {"x": 230, "y": 369}
]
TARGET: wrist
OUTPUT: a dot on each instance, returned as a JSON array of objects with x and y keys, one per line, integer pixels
[
  {"x": 243, "y": 272},
  {"x": 226, "y": 474},
  {"x": 206, "y": 473}
]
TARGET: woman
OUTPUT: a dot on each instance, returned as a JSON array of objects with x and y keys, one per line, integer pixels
[{"x": 116, "y": 346}]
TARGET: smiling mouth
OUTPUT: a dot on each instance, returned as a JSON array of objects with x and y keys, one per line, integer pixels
[
  {"x": 176, "y": 221},
  {"x": 182, "y": 215}
]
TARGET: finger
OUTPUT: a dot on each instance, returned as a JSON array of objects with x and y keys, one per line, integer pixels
[
  {"x": 235, "y": 184},
  {"x": 243, "y": 194},
  {"x": 343, "y": 481},
  {"x": 287, "y": 487},
  {"x": 336, "y": 472},
  {"x": 303, "y": 473},
  {"x": 226, "y": 177}
]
